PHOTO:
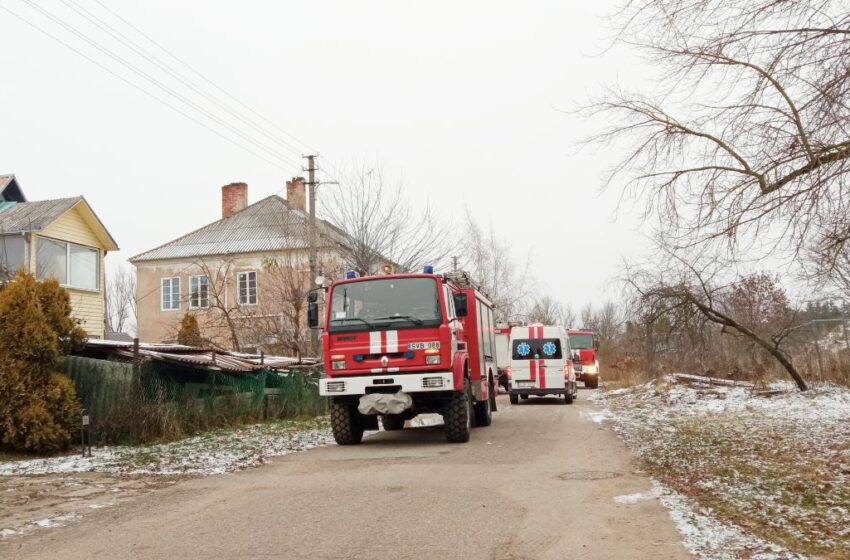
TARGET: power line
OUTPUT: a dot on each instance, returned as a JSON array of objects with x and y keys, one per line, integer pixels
[
  {"x": 141, "y": 51},
  {"x": 214, "y": 84},
  {"x": 153, "y": 80},
  {"x": 141, "y": 89}
]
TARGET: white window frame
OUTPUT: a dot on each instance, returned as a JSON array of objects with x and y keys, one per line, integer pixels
[
  {"x": 192, "y": 280},
  {"x": 170, "y": 293},
  {"x": 67, "y": 283},
  {"x": 246, "y": 274}
]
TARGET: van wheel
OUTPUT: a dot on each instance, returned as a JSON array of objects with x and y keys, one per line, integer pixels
[
  {"x": 346, "y": 423},
  {"x": 392, "y": 422},
  {"x": 458, "y": 415},
  {"x": 568, "y": 398},
  {"x": 523, "y": 397},
  {"x": 514, "y": 398}
]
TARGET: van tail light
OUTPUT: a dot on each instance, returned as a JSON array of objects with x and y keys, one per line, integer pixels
[{"x": 508, "y": 371}]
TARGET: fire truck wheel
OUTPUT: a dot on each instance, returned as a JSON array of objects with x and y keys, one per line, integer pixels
[
  {"x": 484, "y": 410},
  {"x": 591, "y": 382},
  {"x": 392, "y": 422},
  {"x": 494, "y": 390},
  {"x": 458, "y": 416},
  {"x": 514, "y": 398},
  {"x": 346, "y": 424}
]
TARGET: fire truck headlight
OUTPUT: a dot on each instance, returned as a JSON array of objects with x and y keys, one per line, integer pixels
[
  {"x": 589, "y": 369},
  {"x": 338, "y": 365},
  {"x": 430, "y": 360}
]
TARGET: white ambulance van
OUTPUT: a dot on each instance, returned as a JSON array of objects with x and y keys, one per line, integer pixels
[{"x": 540, "y": 363}]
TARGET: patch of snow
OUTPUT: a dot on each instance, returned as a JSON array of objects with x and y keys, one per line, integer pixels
[
  {"x": 597, "y": 416},
  {"x": 56, "y": 521},
  {"x": 7, "y": 533},
  {"x": 207, "y": 454},
  {"x": 708, "y": 538},
  {"x": 629, "y": 499}
]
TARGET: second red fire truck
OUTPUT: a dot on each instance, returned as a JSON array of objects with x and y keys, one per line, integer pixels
[
  {"x": 398, "y": 345},
  {"x": 585, "y": 348}
]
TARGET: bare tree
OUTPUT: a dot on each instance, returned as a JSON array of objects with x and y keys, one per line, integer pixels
[
  {"x": 568, "y": 315},
  {"x": 217, "y": 304},
  {"x": 120, "y": 312},
  {"x": 747, "y": 138},
  {"x": 488, "y": 259},
  {"x": 682, "y": 289},
  {"x": 383, "y": 226},
  {"x": 546, "y": 310}
]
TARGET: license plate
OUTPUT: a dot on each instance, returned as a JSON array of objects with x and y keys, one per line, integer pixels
[
  {"x": 525, "y": 383},
  {"x": 423, "y": 345}
]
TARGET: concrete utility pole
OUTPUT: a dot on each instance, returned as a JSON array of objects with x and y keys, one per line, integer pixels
[{"x": 314, "y": 270}]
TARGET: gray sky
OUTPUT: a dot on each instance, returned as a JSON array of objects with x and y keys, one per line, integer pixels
[{"x": 459, "y": 99}]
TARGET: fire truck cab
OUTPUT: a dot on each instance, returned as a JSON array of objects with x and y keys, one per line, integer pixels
[
  {"x": 540, "y": 363},
  {"x": 399, "y": 345},
  {"x": 585, "y": 349}
]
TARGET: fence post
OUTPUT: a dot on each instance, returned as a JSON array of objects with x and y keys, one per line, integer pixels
[{"x": 135, "y": 348}]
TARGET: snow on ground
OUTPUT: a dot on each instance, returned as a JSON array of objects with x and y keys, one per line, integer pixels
[
  {"x": 211, "y": 453},
  {"x": 739, "y": 471}
]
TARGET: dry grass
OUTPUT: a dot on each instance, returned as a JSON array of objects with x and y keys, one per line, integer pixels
[{"x": 781, "y": 473}]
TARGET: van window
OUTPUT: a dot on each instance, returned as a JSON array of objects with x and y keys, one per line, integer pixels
[{"x": 537, "y": 349}]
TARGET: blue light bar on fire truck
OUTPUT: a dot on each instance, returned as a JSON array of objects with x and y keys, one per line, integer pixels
[
  {"x": 429, "y": 269},
  {"x": 350, "y": 274}
]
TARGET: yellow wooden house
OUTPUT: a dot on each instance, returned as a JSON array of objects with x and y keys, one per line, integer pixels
[{"x": 61, "y": 238}]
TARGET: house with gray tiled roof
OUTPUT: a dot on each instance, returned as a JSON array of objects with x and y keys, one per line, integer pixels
[
  {"x": 244, "y": 276},
  {"x": 62, "y": 239}
]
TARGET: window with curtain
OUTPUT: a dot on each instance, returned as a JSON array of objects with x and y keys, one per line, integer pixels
[
  {"x": 13, "y": 251},
  {"x": 74, "y": 266},
  {"x": 170, "y": 293},
  {"x": 51, "y": 260}
]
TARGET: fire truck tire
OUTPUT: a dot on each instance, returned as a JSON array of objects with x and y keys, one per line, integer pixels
[
  {"x": 458, "y": 416},
  {"x": 392, "y": 422},
  {"x": 514, "y": 398},
  {"x": 484, "y": 410},
  {"x": 591, "y": 382},
  {"x": 346, "y": 423}
]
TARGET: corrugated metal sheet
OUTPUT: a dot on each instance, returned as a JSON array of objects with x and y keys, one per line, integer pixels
[
  {"x": 35, "y": 215},
  {"x": 270, "y": 224},
  {"x": 177, "y": 353}
]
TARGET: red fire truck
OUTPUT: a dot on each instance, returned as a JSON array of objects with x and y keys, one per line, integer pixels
[
  {"x": 585, "y": 347},
  {"x": 399, "y": 345}
]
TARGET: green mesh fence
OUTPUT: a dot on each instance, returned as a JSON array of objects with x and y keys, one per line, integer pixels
[{"x": 155, "y": 400}]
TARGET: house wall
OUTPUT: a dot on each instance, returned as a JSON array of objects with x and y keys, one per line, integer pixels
[
  {"x": 158, "y": 325},
  {"x": 87, "y": 305}
]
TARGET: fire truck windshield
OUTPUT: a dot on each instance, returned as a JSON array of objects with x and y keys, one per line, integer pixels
[
  {"x": 581, "y": 341},
  {"x": 383, "y": 304}
]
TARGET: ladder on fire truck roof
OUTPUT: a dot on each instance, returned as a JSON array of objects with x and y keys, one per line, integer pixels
[{"x": 461, "y": 279}]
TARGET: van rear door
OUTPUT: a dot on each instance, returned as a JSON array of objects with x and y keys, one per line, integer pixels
[{"x": 537, "y": 362}]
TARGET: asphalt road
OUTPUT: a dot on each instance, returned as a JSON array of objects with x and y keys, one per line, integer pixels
[{"x": 539, "y": 483}]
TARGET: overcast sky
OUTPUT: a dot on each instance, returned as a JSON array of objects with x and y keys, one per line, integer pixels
[{"x": 463, "y": 100}]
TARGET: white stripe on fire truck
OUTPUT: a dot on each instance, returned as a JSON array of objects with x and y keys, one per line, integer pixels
[
  {"x": 375, "y": 342},
  {"x": 392, "y": 341},
  {"x": 377, "y": 370}
]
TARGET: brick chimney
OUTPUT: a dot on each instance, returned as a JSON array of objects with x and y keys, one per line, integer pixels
[
  {"x": 296, "y": 193},
  {"x": 234, "y": 197}
]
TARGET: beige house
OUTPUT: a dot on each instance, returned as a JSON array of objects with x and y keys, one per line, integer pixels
[
  {"x": 61, "y": 238},
  {"x": 245, "y": 276}
]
